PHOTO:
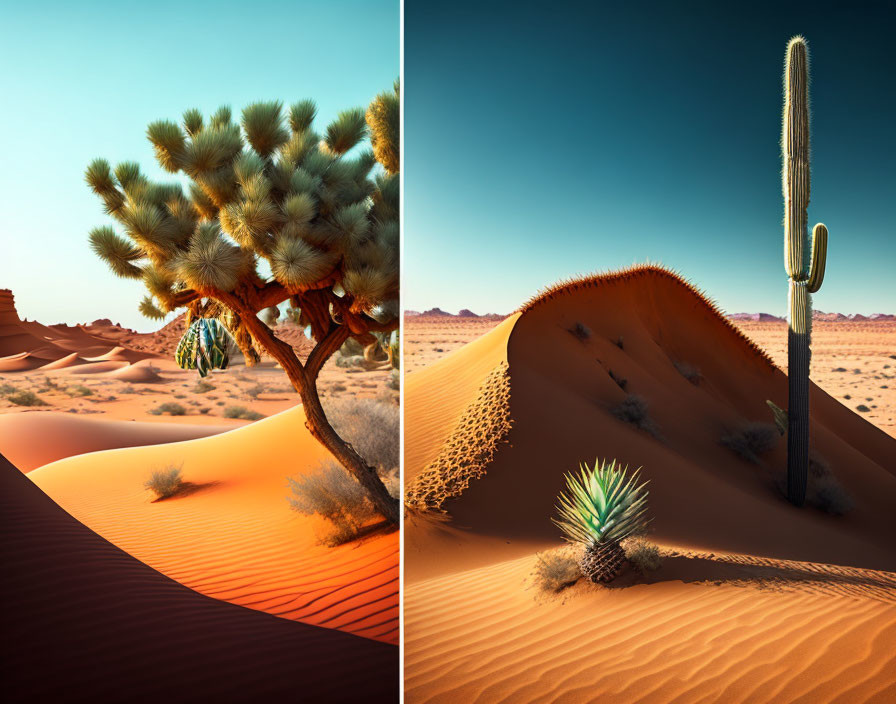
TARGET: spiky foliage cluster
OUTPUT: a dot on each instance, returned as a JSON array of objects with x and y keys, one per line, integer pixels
[
  {"x": 604, "y": 506},
  {"x": 268, "y": 188},
  {"x": 804, "y": 270},
  {"x": 383, "y": 118}
]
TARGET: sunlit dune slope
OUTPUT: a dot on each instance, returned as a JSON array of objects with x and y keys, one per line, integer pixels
[
  {"x": 232, "y": 535},
  {"x": 31, "y": 440},
  {"x": 83, "y": 621}
]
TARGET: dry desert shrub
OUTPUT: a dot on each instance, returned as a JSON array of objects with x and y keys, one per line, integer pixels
[
  {"x": 165, "y": 482},
  {"x": 689, "y": 372},
  {"x": 642, "y": 554},
  {"x": 580, "y": 331},
  {"x": 242, "y": 412},
  {"x": 751, "y": 440},
  {"x": 823, "y": 490},
  {"x": 25, "y": 398},
  {"x": 333, "y": 493},
  {"x": 633, "y": 409},
  {"x": 372, "y": 428},
  {"x": 202, "y": 387},
  {"x": 556, "y": 570},
  {"x": 170, "y": 408},
  {"x": 78, "y": 390}
]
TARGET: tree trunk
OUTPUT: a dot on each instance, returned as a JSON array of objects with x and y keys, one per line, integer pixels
[
  {"x": 320, "y": 428},
  {"x": 304, "y": 380},
  {"x": 244, "y": 341}
]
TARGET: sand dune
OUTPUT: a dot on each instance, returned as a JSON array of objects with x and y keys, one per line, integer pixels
[
  {"x": 487, "y": 635},
  {"x": 85, "y": 622},
  {"x": 70, "y": 360},
  {"x": 234, "y": 537},
  {"x": 474, "y": 633},
  {"x": 31, "y": 440},
  {"x": 137, "y": 373}
]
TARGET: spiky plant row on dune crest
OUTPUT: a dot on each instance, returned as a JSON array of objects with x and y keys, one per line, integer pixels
[
  {"x": 640, "y": 272},
  {"x": 605, "y": 506},
  {"x": 319, "y": 214}
]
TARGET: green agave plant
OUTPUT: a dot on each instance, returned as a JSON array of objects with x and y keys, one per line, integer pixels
[
  {"x": 205, "y": 346},
  {"x": 605, "y": 505}
]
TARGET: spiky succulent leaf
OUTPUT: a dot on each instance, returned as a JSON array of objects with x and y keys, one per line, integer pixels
[
  {"x": 263, "y": 125},
  {"x": 99, "y": 177},
  {"x": 168, "y": 142},
  {"x": 148, "y": 309},
  {"x": 116, "y": 251},
  {"x": 297, "y": 265},
  {"x": 383, "y": 118},
  {"x": 346, "y": 131},
  {"x": 221, "y": 116},
  {"x": 210, "y": 262},
  {"x": 301, "y": 115},
  {"x": 193, "y": 122},
  {"x": 603, "y": 505}
]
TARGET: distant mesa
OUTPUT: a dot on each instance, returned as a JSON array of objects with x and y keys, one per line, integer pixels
[
  {"x": 463, "y": 313},
  {"x": 817, "y": 315},
  {"x": 757, "y": 317}
]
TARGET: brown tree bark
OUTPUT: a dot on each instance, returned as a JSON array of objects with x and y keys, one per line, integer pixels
[{"x": 304, "y": 380}]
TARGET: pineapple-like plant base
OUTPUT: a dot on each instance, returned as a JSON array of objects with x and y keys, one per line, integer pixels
[{"x": 602, "y": 562}]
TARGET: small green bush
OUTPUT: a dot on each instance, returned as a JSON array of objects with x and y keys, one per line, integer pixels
[
  {"x": 242, "y": 412},
  {"x": 79, "y": 390},
  {"x": 165, "y": 482},
  {"x": 556, "y": 570},
  {"x": 169, "y": 408},
  {"x": 25, "y": 398},
  {"x": 6, "y": 389}
]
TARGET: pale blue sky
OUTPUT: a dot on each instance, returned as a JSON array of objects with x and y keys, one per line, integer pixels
[{"x": 83, "y": 80}]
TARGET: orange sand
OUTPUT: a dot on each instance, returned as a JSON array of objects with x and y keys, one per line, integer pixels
[
  {"x": 807, "y": 613},
  {"x": 233, "y": 536}
]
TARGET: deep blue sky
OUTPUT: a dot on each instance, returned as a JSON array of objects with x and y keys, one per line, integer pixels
[
  {"x": 82, "y": 80},
  {"x": 548, "y": 139}
]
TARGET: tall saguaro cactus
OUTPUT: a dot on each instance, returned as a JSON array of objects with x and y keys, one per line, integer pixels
[{"x": 805, "y": 268}]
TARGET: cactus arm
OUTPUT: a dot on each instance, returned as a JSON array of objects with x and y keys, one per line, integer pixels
[{"x": 819, "y": 257}]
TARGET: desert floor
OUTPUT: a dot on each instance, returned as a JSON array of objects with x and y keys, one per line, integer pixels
[
  {"x": 854, "y": 362},
  {"x": 87, "y": 414},
  {"x": 755, "y": 601}
]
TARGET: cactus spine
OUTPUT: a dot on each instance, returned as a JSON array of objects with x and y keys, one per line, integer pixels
[{"x": 805, "y": 269}]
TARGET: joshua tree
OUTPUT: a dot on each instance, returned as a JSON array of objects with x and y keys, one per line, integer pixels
[
  {"x": 603, "y": 509},
  {"x": 805, "y": 270},
  {"x": 277, "y": 194}
]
